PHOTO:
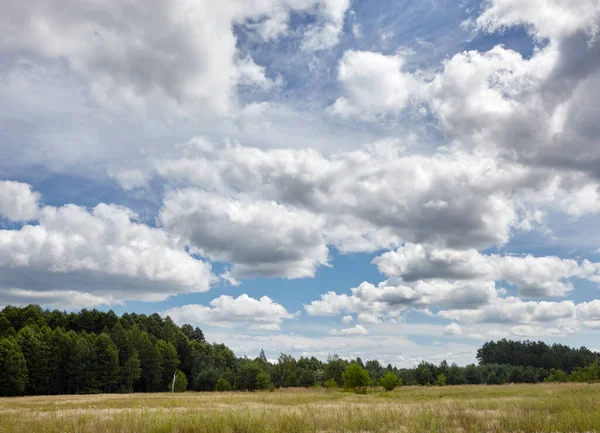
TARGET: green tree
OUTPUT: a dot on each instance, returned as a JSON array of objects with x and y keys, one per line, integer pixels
[
  {"x": 37, "y": 356},
  {"x": 81, "y": 374},
  {"x": 132, "y": 371},
  {"x": 284, "y": 373},
  {"x": 440, "y": 380},
  {"x": 263, "y": 380},
  {"x": 331, "y": 384},
  {"x": 493, "y": 379},
  {"x": 356, "y": 378},
  {"x": 307, "y": 378},
  {"x": 335, "y": 367},
  {"x": 222, "y": 385},
  {"x": 456, "y": 375},
  {"x": 152, "y": 372},
  {"x": 13, "y": 368},
  {"x": 472, "y": 374},
  {"x": 107, "y": 363},
  {"x": 181, "y": 382},
  {"x": 168, "y": 363},
  {"x": 425, "y": 374},
  {"x": 375, "y": 370},
  {"x": 389, "y": 381},
  {"x": 556, "y": 376}
]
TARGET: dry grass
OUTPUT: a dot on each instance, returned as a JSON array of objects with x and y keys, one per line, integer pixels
[{"x": 510, "y": 408}]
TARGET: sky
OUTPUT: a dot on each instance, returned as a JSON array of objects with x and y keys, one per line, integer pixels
[{"x": 396, "y": 180}]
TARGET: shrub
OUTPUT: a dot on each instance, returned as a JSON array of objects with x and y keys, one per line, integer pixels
[
  {"x": 441, "y": 380},
  {"x": 181, "y": 382},
  {"x": 493, "y": 379},
  {"x": 390, "y": 381},
  {"x": 355, "y": 377},
  {"x": 331, "y": 384},
  {"x": 263, "y": 381},
  {"x": 591, "y": 373},
  {"x": 556, "y": 376},
  {"x": 222, "y": 385}
]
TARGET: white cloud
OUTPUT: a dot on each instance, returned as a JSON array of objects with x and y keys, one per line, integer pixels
[
  {"x": 356, "y": 330},
  {"x": 533, "y": 276},
  {"x": 548, "y": 18},
  {"x": 249, "y": 73},
  {"x": 131, "y": 179},
  {"x": 512, "y": 310},
  {"x": 389, "y": 297},
  {"x": 453, "y": 329},
  {"x": 325, "y": 33},
  {"x": 538, "y": 110},
  {"x": 228, "y": 312},
  {"x": 258, "y": 237},
  {"x": 374, "y": 85},
  {"x": 18, "y": 202},
  {"x": 589, "y": 310},
  {"x": 178, "y": 54},
  {"x": 394, "y": 348},
  {"x": 374, "y": 197},
  {"x": 347, "y": 319},
  {"x": 67, "y": 299},
  {"x": 102, "y": 254},
  {"x": 368, "y": 318}
]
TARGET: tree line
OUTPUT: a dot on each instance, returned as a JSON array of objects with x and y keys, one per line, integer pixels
[{"x": 44, "y": 352}]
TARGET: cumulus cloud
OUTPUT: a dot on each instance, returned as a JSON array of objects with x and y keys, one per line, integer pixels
[
  {"x": 539, "y": 110},
  {"x": 374, "y": 85},
  {"x": 17, "y": 201},
  {"x": 533, "y": 276},
  {"x": 512, "y": 310},
  {"x": 228, "y": 312},
  {"x": 368, "y": 319},
  {"x": 356, "y": 330},
  {"x": 453, "y": 329},
  {"x": 258, "y": 237},
  {"x": 330, "y": 22},
  {"x": 63, "y": 299},
  {"x": 374, "y": 197},
  {"x": 389, "y": 297},
  {"x": 180, "y": 54},
  {"x": 546, "y": 18},
  {"x": 102, "y": 255}
]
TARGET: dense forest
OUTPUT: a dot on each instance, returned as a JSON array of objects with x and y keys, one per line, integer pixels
[{"x": 54, "y": 352}]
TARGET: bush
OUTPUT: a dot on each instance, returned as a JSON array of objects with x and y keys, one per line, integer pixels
[
  {"x": 390, "y": 381},
  {"x": 355, "y": 377},
  {"x": 441, "y": 380},
  {"x": 556, "y": 376},
  {"x": 590, "y": 374},
  {"x": 263, "y": 381},
  {"x": 181, "y": 382},
  {"x": 331, "y": 384},
  {"x": 222, "y": 385},
  {"x": 493, "y": 379}
]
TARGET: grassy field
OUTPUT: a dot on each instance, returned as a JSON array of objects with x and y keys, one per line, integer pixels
[{"x": 508, "y": 408}]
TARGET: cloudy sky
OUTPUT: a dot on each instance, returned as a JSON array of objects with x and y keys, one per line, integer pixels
[{"x": 391, "y": 179}]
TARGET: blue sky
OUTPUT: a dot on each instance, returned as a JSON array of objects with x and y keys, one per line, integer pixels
[{"x": 400, "y": 180}]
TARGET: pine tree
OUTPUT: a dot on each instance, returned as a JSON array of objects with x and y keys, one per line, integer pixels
[
  {"x": 37, "y": 356},
  {"x": 13, "y": 368},
  {"x": 168, "y": 363},
  {"x": 107, "y": 363},
  {"x": 132, "y": 371}
]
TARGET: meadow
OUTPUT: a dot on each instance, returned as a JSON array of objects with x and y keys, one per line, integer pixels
[{"x": 477, "y": 408}]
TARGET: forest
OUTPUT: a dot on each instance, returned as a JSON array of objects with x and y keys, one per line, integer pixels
[{"x": 49, "y": 352}]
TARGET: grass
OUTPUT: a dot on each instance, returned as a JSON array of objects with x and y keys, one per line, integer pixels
[{"x": 508, "y": 408}]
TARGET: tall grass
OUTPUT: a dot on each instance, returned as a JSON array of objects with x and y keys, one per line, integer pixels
[{"x": 510, "y": 408}]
